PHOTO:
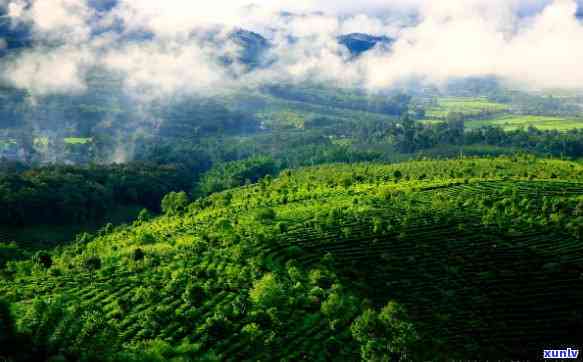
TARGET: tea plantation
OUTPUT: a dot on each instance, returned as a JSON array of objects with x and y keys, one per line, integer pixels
[{"x": 426, "y": 260}]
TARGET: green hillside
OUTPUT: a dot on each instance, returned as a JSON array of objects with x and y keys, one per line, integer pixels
[{"x": 424, "y": 260}]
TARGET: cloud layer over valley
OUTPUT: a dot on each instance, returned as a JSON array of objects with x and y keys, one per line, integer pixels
[{"x": 159, "y": 48}]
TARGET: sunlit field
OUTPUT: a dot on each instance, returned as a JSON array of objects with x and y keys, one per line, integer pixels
[{"x": 513, "y": 122}]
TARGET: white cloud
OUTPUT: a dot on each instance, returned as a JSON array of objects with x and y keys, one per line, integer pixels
[
  {"x": 66, "y": 20},
  {"x": 162, "y": 69},
  {"x": 363, "y": 23},
  {"x": 484, "y": 40},
  {"x": 450, "y": 38},
  {"x": 46, "y": 71},
  {"x": 16, "y": 9}
]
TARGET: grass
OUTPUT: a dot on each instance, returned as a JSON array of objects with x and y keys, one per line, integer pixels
[
  {"x": 42, "y": 142},
  {"x": 513, "y": 122},
  {"x": 77, "y": 140},
  {"x": 466, "y": 150},
  {"x": 4, "y": 144},
  {"x": 510, "y": 122},
  {"x": 342, "y": 142},
  {"x": 466, "y": 106},
  {"x": 283, "y": 118}
]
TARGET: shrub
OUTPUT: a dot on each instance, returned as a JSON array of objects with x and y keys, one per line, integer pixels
[
  {"x": 174, "y": 203},
  {"x": 194, "y": 294},
  {"x": 265, "y": 215},
  {"x": 267, "y": 291},
  {"x": 146, "y": 238},
  {"x": 251, "y": 331},
  {"x": 43, "y": 259},
  {"x": 138, "y": 255},
  {"x": 282, "y": 227},
  {"x": 93, "y": 263},
  {"x": 6, "y": 325},
  {"x": 144, "y": 215},
  {"x": 384, "y": 335}
]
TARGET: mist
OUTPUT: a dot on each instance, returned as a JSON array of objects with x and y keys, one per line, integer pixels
[{"x": 160, "y": 49}]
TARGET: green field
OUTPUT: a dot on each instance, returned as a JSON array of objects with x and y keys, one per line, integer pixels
[
  {"x": 465, "y": 106},
  {"x": 77, "y": 140},
  {"x": 5, "y": 144},
  {"x": 513, "y": 122},
  {"x": 433, "y": 260},
  {"x": 277, "y": 112},
  {"x": 41, "y": 142}
]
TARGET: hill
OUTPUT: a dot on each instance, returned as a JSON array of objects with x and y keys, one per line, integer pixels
[
  {"x": 358, "y": 43},
  {"x": 12, "y": 36},
  {"x": 424, "y": 260}
]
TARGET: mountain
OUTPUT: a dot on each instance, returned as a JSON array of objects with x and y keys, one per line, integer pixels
[
  {"x": 253, "y": 46},
  {"x": 102, "y": 5},
  {"x": 13, "y": 36},
  {"x": 358, "y": 43}
]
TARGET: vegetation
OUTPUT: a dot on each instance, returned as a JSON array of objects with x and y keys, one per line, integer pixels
[
  {"x": 514, "y": 122},
  {"x": 76, "y": 195},
  {"x": 77, "y": 140},
  {"x": 466, "y": 107},
  {"x": 290, "y": 222},
  {"x": 423, "y": 260}
]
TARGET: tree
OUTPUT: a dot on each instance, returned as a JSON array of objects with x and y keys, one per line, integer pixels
[
  {"x": 217, "y": 327},
  {"x": 338, "y": 308},
  {"x": 138, "y": 255},
  {"x": 43, "y": 259},
  {"x": 251, "y": 331},
  {"x": 194, "y": 294},
  {"x": 144, "y": 216},
  {"x": 93, "y": 263},
  {"x": 174, "y": 203},
  {"x": 6, "y": 327},
  {"x": 386, "y": 335},
  {"x": 55, "y": 328},
  {"x": 265, "y": 215},
  {"x": 406, "y": 143},
  {"x": 267, "y": 292}
]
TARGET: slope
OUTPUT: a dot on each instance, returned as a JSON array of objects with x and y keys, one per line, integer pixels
[{"x": 472, "y": 258}]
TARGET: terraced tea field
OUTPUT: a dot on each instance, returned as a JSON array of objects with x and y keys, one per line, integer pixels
[{"x": 485, "y": 255}]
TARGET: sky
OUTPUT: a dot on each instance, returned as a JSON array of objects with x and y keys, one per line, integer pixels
[{"x": 529, "y": 43}]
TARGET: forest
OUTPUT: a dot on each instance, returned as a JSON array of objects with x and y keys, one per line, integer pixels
[{"x": 290, "y": 181}]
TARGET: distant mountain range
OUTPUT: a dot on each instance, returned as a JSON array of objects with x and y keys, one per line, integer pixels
[
  {"x": 358, "y": 43},
  {"x": 255, "y": 45},
  {"x": 13, "y": 36}
]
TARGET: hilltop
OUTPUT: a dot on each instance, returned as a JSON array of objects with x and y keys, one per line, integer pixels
[{"x": 472, "y": 258}]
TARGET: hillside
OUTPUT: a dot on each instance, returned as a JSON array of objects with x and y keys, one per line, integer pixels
[{"x": 457, "y": 259}]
